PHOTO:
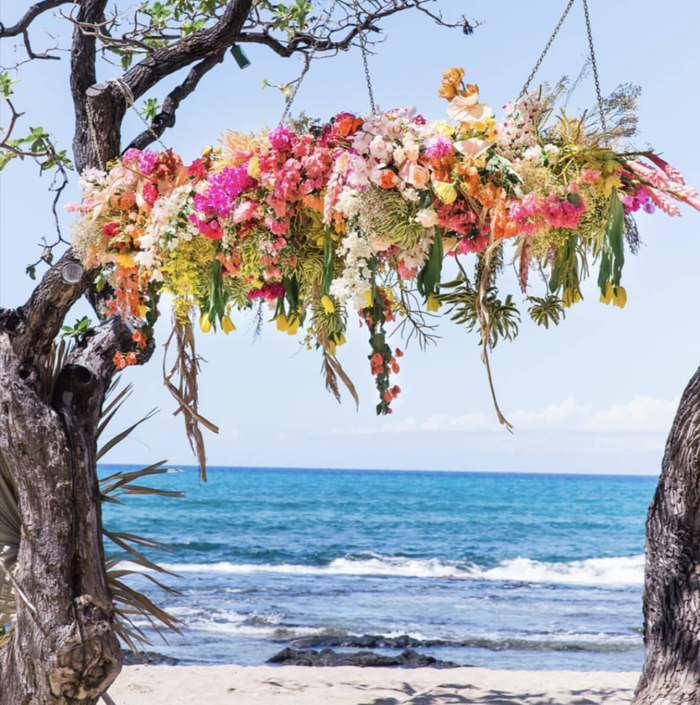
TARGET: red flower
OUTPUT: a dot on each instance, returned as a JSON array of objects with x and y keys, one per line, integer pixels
[{"x": 110, "y": 230}]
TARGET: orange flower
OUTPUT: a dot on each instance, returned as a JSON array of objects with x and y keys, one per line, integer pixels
[
  {"x": 452, "y": 77},
  {"x": 140, "y": 338},
  {"x": 448, "y": 92},
  {"x": 127, "y": 200},
  {"x": 388, "y": 178},
  {"x": 450, "y": 83},
  {"x": 348, "y": 125}
]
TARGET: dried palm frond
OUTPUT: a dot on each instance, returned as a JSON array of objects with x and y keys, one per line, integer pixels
[
  {"x": 185, "y": 370},
  {"x": 54, "y": 363},
  {"x": 128, "y": 601},
  {"x": 10, "y": 533}
]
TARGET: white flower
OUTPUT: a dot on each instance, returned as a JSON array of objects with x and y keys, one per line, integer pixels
[
  {"x": 427, "y": 217},
  {"x": 552, "y": 151},
  {"x": 156, "y": 275},
  {"x": 468, "y": 109},
  {"x": 380, "y": 149},
  {"x": 410, "y": 194},
  {"x": 355, "y": 281},
  {"x": 348, "y": 202},
  {"x": 145, "y": 259},
  {"x": 533, "y": 154}
]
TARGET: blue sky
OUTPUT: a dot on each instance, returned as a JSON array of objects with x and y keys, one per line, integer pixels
[{"x": 595, "y": 395}]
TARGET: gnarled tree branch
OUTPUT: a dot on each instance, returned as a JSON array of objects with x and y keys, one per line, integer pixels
[{"x": 166, "y": 117}]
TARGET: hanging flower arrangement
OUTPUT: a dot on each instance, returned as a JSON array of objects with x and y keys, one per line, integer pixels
[{"x": 317, "y": 224}]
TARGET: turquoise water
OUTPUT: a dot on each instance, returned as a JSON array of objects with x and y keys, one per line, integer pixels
[{"x": 512, "y": 570}]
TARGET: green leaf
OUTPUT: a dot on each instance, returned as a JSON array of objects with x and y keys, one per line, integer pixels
[
  {"x": 327, "y": 262},
  {"x": 429, "y": 277},
  {"x": 612, "y": 254}
]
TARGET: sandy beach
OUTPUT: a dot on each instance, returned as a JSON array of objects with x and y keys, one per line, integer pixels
[{"x": 265, "y": 685}]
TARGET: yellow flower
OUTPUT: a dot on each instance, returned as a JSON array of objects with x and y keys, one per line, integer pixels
[
  {"x": 143, "y": 310},
  {"x": 479, "y": 125},
  {"x": 254, "y": 168},
  {"x": 444, "y": 128},
  {"x": 340, "y": 339},
  {"x": 207, "y": 151},
  {"x": 607, "y": 184},
  {"x": 619, "y": 297},
  {"x": 328, "y": 306},
  {"x": 368, "y": 298},
  {"x": 293, "y": 326},
  {"x": 330, "y": 347},
  {"x": 126, "y": 261},
  {"x": 606, "y": 296},
  {"x": 433, "y": 303},
  {"x": 227, "y": 325},
  {"x": 205, "y": 323},
  {"x": 570, "y": 297},
  {"x": 282, "y": 323},
  {"x": 447, "y": 193}
]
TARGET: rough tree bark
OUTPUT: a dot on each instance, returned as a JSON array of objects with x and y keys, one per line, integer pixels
[
  {"x": 671, "y": 674},
  {"x": 64, "y": 650}
]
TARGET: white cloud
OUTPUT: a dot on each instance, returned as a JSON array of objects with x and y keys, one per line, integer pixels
[{"x": 642, "y": 414}]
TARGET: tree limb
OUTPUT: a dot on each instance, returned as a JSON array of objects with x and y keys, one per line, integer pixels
[
  {"x": 29, "y": 16},
  {"x": 37, "y": 323},
  {"x": 211, "y": 40},
  {"x": 166, "y": 117}
]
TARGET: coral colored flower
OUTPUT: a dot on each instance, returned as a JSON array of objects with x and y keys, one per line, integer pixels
[{"x": 140, "y": 338}]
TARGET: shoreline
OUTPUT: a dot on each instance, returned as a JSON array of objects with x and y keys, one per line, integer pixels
[{"x": 350, "y": 685}]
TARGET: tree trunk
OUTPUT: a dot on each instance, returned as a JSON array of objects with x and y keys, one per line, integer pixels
[
  {"x": 671, "y": 674},
  {"x": 63, "y": 650}
]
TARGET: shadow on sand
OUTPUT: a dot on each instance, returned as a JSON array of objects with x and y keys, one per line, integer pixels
[{"x": 454, "y": 694}]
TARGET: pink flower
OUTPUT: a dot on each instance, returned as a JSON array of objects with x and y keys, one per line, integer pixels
[
  {"x": 148, "y": 163},
  {"x": 212, "y": 229},
  {"x": 276, "y": 226},
  {"x": 150, "y": 193},
  {"x": 590, "y": 176},
  {"x": 281, "y": 138},
  {"x": 406, "y": 272},
  {"x": 245, "y": 211},
  {"x": 438, "y": 146}
]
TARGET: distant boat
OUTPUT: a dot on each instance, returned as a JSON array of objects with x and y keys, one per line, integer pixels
[{"x": 174, "y": 470}]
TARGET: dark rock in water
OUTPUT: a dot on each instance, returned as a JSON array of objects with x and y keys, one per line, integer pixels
[
  {"x": 369, "y": 641},
  {"x": 365, "y": 659},
  {"x": 148, "y": 658}
]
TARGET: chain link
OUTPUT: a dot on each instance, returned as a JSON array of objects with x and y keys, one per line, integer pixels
[
  {"x": 546, "y": 49},
  {"x": 595, "y": 68},
  {"x": 307, "y": 64},
  {"x": 363, "y": 47}
]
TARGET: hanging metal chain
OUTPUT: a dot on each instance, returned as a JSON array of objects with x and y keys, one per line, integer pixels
[
  {"x": 546, "y": 49},
  {"x": 363, "y": 47},
  {"x": 595, "y": 68},
  {"x": 307, "y": 65}
]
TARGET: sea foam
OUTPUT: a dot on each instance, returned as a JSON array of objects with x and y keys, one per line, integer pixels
[{"x": 594, "y": 572}]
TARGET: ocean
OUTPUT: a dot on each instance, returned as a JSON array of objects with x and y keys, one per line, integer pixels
[{"x": 512, "y": 571}]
